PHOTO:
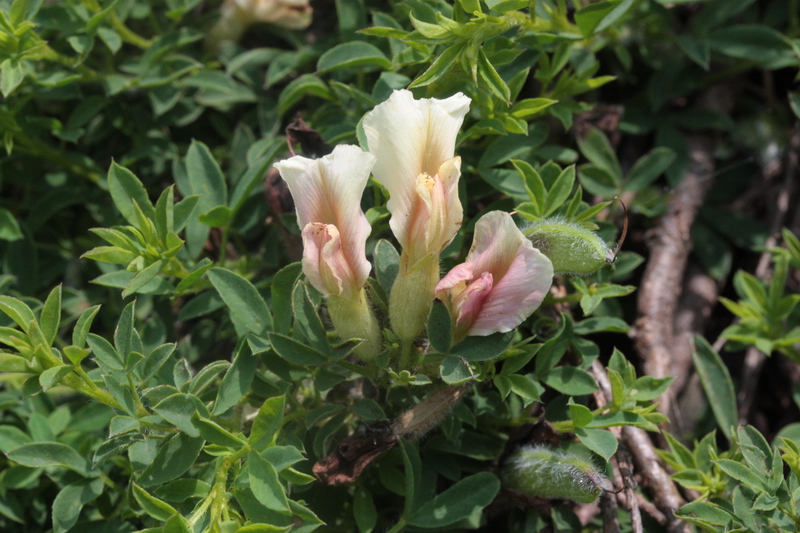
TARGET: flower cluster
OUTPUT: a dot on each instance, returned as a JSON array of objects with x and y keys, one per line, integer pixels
[{"x": 411, "y": 151}]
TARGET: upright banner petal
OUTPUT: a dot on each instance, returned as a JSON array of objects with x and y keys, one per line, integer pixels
[{"x": 414, "y": 142}]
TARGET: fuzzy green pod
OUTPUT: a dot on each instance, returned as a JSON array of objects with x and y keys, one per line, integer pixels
[
  {"x": 545, "y": 472},
  {"x": 571, "y": 248}
]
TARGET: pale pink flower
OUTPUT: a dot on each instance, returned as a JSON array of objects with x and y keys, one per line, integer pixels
[
  {"x": 414, "y": 143},
  {"x": 502, "y": 282},
  {"x": 327, "y": 196}
]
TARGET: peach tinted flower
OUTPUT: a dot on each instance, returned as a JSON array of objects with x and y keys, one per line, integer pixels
[
  {"x": 237, "y": 15},
  {"x": 327, "y": 194},
  {"x": 414, "y": 143},
  {"x": 503, "y": 280}
]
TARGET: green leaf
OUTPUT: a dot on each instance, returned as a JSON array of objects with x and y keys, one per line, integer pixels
[
  {"x": 352, "y": 54},
  {"x": 236, "y": 382},
  {"x": 178, "y": 410},
  {"x": 155, "y": 360},
  {"x": 51, "y": 315},
  {"x": 13, "y": 363},
  {"x": 364, "y": 511},
  {"x": 216, "y": 434},
  {"x": 599, "y": 16},
  {"x": 570, "y": 380},
  {"x": 105, "y": 355},
  {"x": 172, "y": 460},
  {"x": 441, "y": 66},
  {"x": 123, "y": 333},
  {"x": 412, "y": 466},
  {"x": 53, "y": 375},
  {"x": 307, "y": 324},
  {"x": 265, "y": 484},
  {"x": 9, "y": 227},
  {"x": 493, "y": 80},
  {"x": 598, "y": 151},
  {"x": 282, "y": 285},
  {"x": 482, "y": 348},
  {"x": 454, "y": 371},
  {"x": 440, "y": 327},
  {"x": 580, "y": 414},
  {"x": 17, "y": 311},
  {"x": 295, "y": 351},
  {"x": 83, "y": 325},
  {"x": 182, "y": 489},
  {"x": 122, "y": 393},
  {"x": 218, "y": 217},
  {"x": 11, "y": 76},
  {"x": 183, "y": 210},
  {"x": 205, "y": 177},
  {"x": 753, "y": 42},
  {"x": 387, "y": 264},
  {"x": 71, "y": 499},
  {"x": 267, "y": 423},
  {"x": 154, "y": 507},
  {"x": 142, "y": 278},
  {"x": 41, "y": 454},
  {"x": 739, "y": 472},
  {"x": 243, "y": 300},
  {"x": 524, "y": 387},
  {"x": 529, "y": 107},
  {"x": 648, "y": 168},
  {"x": 126, "y": 188},
  {"x": 297, "y": 89},
  {"x": 12, "y": 437},
  {"x": 717, "y": 383},
  {"x": 706, "y": 513},
  {"x": 600, "y": 441},
  {"x": 469, "y": 495}
]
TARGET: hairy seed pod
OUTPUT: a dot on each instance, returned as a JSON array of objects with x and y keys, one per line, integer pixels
[
  {"x": 548, "y": 473},
  {"x": 571, "y": 248}
]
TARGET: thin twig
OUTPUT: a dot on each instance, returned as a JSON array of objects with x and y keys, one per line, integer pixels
[{"x": 655, "y": 477}]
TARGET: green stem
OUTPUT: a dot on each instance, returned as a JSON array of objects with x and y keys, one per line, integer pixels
[
  {"x": 399, "y": 526},
  {"x": 223, "y": 245},
  {"x": 406, "y": 349},
  {"x": 219, "y": 500},
  {"x": 360, "y": 370},
  {"x": 72, "y": 381},
  {"x": 141, "y": 410},
  {"x": 128, "y": 35}
]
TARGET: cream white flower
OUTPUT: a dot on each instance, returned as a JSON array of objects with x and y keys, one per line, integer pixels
[{"x": 414, "y": 143}]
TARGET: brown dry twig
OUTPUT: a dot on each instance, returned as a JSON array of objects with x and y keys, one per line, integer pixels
[
  {"x": 671, "y": 244},
  {"x": 648, "y": 465}
]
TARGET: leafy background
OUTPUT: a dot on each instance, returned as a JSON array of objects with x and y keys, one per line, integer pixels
[{"x": 136, "y": 177}]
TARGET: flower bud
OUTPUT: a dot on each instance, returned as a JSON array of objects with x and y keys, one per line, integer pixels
[
  {"x": 572, "y": 248},
  {"x": 544, "y": 472}
]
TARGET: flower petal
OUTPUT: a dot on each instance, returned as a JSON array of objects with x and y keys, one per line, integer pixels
[
  {"x": 412, "y": 137},
  {"x": 327, "y": 192},
  {"x": 521, "y": 277},
  {"x": 324, "y": 264}
]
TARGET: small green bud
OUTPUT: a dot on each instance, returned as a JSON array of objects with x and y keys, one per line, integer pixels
[
  {"x": 571, "y": 248},
  {"x": 544, "y": 472}
]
